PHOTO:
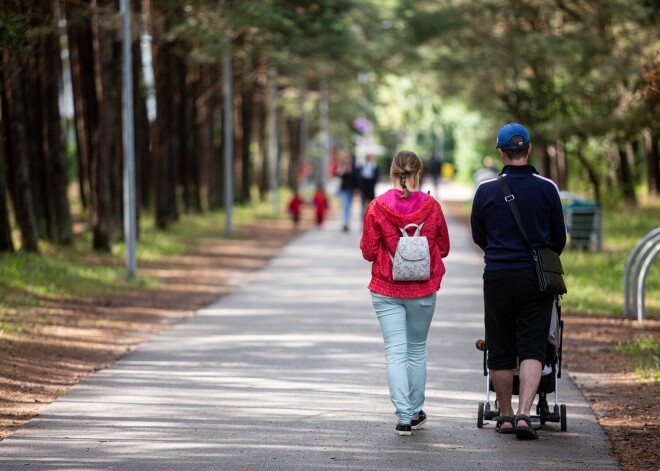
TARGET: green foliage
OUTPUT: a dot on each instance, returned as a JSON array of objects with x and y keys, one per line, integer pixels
[
  {"x": 26, "y": 280},
  {"x": 569, "y": 70},
  {"x": 14, "y": 26},
  {"x": 595, "y": 279},
  {"x": 645, "y": 356}
]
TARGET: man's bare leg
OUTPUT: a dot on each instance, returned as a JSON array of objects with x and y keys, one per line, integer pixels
[
  {"x": 530, "y": 377},
  {"x": 503, "y": 385}
]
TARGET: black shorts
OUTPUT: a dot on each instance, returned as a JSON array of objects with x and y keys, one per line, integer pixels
[{"x": 517, "y": 318}]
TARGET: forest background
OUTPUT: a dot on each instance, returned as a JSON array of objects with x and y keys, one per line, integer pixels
[{"x": 436, "y": 76}]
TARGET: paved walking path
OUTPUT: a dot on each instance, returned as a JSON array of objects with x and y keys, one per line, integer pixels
[{"x": 288, "y": 373}]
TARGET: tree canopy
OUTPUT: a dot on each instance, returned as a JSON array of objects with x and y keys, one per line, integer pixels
[{"x": 437, "y": 75}]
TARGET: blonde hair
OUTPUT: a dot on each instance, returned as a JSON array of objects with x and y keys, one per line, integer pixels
[{"x": 406, "y": 164}]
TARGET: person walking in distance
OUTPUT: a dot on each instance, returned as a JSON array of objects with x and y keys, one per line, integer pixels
[
  {"x": 320, "y": 202},
  {"x": 516, "y": 313},
  {"x": 367, "y": 175},
  {"x": 404, "y": 308},
  {"x": 295, "y": 205},
  {"x": 346, "y": 174}
]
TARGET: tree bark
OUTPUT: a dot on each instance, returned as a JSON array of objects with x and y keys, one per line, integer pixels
[
  {"x": 165, "y": 145},
  {"x": 593, "y": 176},
  {"x": 52, "y": 139},
  {"x": 14, "y": 82},
  {"x": 652, "y": 151},
  {"x": 204, "y": 125},
  {"x": 6, "y": 243},
  {"x": 247, "y": 107},
  {"x": 293, "y": 128},
  {"x": 260, "y": 119},
  {"x": 143, "y": 161},
  {"x": 102, "y": 170},
  {"x": 189, "y": 159},
  {"x": 625, "y": 177},
  {"x": 216, "y": 197}
]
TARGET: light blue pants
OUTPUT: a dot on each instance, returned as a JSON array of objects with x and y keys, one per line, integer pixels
[
  {"x": 346, "y": 198},
  {"x": 405, "y": 325}
]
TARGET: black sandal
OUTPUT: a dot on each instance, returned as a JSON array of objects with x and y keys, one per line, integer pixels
[
  {"x": 527, "y": 432},
  {"x": 504, "y": 419}
]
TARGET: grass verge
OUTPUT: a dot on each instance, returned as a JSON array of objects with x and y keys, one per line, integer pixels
[
  {"x": 644, "y": 354},
  {"x": 28, "y": 280}
]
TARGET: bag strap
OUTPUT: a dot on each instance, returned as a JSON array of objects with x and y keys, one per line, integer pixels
[
  {"x": 404, "y": 233},
  {"x": 510, "y": 199}
]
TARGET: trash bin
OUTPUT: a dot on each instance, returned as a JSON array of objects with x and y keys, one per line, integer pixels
[{"x": 583, "y": 223}]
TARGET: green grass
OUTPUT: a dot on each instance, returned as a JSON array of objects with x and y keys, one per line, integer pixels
[
  {"x": 595, "y": 279},
  {"x": 26, "y": 280},
  {"x": 645, "y": 356}
]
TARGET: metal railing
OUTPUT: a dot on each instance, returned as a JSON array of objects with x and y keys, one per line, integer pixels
[{"x": 637, "y": 267}]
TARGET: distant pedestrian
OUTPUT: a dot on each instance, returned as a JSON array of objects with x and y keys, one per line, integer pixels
[
  {"x": 516, "y": 313},
  {"x": 320, "y": 201},
  {"x": 488, "y": 170},
  {"x": 404, "y": 308},
  {"x": 435, "y": 169},
  {"x": 346, "y": 174},
  {"x": 295, "y": 208},
  {"x": 367, "y": 175}
]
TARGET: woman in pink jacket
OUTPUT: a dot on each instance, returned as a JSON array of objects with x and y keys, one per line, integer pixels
[{"x": 404, "y": 308}]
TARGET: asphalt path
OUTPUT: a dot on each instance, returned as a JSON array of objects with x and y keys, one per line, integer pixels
[{"x": 288, "y": 373}]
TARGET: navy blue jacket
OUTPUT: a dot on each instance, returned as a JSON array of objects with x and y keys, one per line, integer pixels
[{"x": 494, "y": 229}]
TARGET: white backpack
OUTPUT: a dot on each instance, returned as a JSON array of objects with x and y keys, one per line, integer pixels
[{"x": 412, "y": 260}]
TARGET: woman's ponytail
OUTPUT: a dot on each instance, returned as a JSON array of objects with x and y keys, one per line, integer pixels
[{"x": 406, "y": 164}]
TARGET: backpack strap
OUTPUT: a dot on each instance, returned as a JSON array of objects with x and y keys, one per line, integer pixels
[{"x": 404, "y": 232}]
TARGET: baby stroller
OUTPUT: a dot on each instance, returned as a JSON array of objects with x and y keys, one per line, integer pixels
[{"x": 551, "y": 373}]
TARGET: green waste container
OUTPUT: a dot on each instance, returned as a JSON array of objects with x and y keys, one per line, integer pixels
[{"x": 583, "y": 224}]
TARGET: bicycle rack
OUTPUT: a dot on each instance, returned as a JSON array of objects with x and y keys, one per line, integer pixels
[{"x": 637, "y": 266}]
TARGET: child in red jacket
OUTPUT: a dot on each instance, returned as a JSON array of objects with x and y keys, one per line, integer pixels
[
  {"x": 404, "y": 308},
  {"x": 295, "y": 206},
  {"x": 320, "y": 200}
]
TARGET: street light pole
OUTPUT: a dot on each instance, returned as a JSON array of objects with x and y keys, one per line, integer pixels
[
  {"x": 128, "y": 140},
  {"x": 228, "y": 137}
]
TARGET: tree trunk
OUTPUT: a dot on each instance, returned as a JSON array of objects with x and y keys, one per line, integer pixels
[
  {"x": 540, "y": 157},
  {"x": 53, "y": 148},
  {"x": 260, "y": 120},
  {"x": 652, "y": 152},
  {"x": 6, "y": 243},
  {"x": 165, "y": 145},
  {"x": 143, "y": 162},
  {"x": 204, "y": 126},
  {"x": 14, "y": 83},
  {"x": 216, "y": 168},
  {"x": 593, "y": 176},
  {"x": 103, "y": 172},
  {"x": 558, "y": 172},
  {"x": 86, "y": 114},
  {"x": 625, "y": 177},
  {"x": 189, "y": 159},
  {"x": 247, "y": 107},
  {"x": 293, "y": 128},
  {"x": 35, "y": 131}
]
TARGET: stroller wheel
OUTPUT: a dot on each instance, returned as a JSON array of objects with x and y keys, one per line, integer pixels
[
  {"x": 562, "y": 417},
  {"x": 480, "y": 415}
]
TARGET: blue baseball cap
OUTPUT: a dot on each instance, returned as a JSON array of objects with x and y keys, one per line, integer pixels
[{"x": 507, "y": 132}]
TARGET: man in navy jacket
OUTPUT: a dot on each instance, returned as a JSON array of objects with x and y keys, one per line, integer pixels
[{"x": 517, "y": 313}]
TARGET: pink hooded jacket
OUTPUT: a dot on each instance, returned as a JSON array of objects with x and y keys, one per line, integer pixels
[{"x": 382, "y": 220}]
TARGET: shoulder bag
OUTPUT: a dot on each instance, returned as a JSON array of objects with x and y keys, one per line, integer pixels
[{"x": 549, "y": 271}]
